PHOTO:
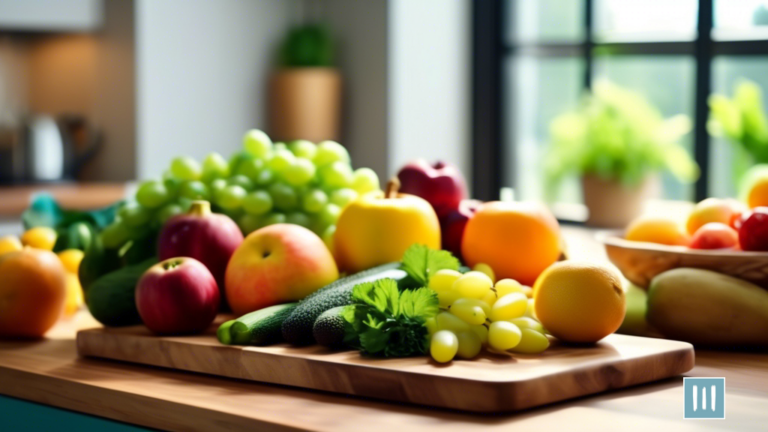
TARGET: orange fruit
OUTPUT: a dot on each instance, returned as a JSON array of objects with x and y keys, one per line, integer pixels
[
  {"x": 579, "y": 301},
  {"x": 32, "y": 292},
  {"x": 713, "y": 210},
  {"x": 657, "y": 230},
  {"x": 757, "y": 194},
  {"x": 518, "y": 240},
  {"x": 39, "y": 238},
  {"x": 10, "y": 244},
  {"x": 71, "y": 259}
]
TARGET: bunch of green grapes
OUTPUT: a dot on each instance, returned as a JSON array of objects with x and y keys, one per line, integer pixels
[
  {"x": 476, "y": 313},
  {"x": 265, "y": 183}
]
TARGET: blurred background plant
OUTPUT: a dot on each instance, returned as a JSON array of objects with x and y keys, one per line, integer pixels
[
  {"x": 308, "y": 45},
  {"x": 742, "y": 121},
  {"x": 616, "y": 135}
]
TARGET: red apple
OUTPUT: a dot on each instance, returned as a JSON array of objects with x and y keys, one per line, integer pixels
[
  {"x": 441, "y": 184},
  {"x": 452, "y": 225},
  {"x": 210, "y": 238},
  {"x": 715, "y": 235},
  {"x": 177, "y": 296},
  {"x": 753, "y": 233}
]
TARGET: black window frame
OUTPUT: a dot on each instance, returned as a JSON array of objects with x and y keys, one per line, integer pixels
[{"x": 490, "y": 50}]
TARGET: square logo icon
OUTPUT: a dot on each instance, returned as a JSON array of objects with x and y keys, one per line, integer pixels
[{"x": 704, "y": 398}]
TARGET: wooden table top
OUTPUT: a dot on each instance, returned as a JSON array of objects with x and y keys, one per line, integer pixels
[
  {"x": 15, "y": 199},
  {"x": 50, "y": 372}
]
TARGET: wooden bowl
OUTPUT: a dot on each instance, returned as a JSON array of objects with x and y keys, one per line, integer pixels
[{"x": 640, "y": 262}]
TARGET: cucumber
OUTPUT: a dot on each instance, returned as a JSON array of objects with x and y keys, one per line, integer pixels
[
  {"x": 297, "y": 328},
  {"x": 329, "y": 329},
  {"x": 111, "y": 298},
  {"x": 261, "y": 327},
  {"x": 222, "y": 333}
]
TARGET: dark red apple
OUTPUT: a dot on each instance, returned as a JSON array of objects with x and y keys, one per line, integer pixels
[
  {"x": 441, "y": 184},
  {"x": 210, "y": 238},
  {"x": 452, "y": 225},
  {"x": 715, "y": 235},
  {"x": 753, "y": 232},
  {"x": 177, "y": 296}
]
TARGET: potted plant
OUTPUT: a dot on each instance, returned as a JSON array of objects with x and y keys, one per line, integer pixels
[
  {"x": 305, "y": 91},
  {"x": 616, "y": 141},
  {"x": 743, "y": 122}
]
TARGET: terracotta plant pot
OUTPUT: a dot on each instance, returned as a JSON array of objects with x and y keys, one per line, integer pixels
[
  {"x": 612, "y": 204},
  {"x": 305, "y": 103}
]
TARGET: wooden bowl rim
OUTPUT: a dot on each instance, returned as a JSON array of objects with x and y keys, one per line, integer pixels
[{"x": 615, "y": 238}]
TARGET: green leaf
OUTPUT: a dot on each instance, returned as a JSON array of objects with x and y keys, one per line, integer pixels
[{"x": 421, "y": 262}]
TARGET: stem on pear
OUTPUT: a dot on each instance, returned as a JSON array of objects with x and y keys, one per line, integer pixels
[
  {"x": 393, "y": 185},
  {"x": 200, "y": 208}
]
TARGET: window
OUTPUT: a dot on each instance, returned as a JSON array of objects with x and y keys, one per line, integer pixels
[{"x": 535, "y": 58}]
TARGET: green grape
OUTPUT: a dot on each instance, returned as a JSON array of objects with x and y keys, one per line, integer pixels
[
  {"x": 274, "y": 218},
  {"x": 481, "y": 331},
  {"x": 152, "y": 194},
  {"x": 279, "y": 146},
  {"x": 469, "y": 345},
  {"x": 336, "y": 175},
  {"x": 194, "y": 190},
  {"x": 168, "y": 211},
  {"x": 342, "y": 197},
  {"x": 449, "y": 321},
  {"x": 242, "y": 181},
  {"x": 468, "y": 312},
  {"x": 327, "y": 236},
  {"x": 265, "y": 177},
  {"x": 443, "y": 280},
  {"x": 215, "y": 166},
  {"x": 303, "y": 149},
  {"x": 257, "y": 143},
  {"x": 284, "y": 197},
  {"x": 472, "y": 285},
  {"x": 237, "y": 160},
  {"x": 248, "y": 223},
  {"x": 527, "y": 323},
  {"x": 216, "y": 187},
  {"x": 531, "y": 342},
  {"x": 329, "y": 214},
  {"x": 431, "y": 325},
  {"x": 446, "y": 298},
  {"x": 115, "y": 235},
  {"x": 508, "y": 286},
  {"x": 508, "y": 307},
  {"x": 298, "y": 218},
  {"x": 300, "y": 173},
  {"x": 329, "y": 152},
  {"x": 231, "y": 197},
  {"x": 251, "y": 168},
  {"x": 281, "y": 160},
  {"x": 172, "y": 185},
  {"x": 503, "y": 335},
  {"x": 475, "y": 302},
  {"x": 134, "y": 215},
  {"x": 314, "y": 201},
  {"x": 186, "y": 168},
  {"x": 443, "y": 346},
  {"x": 184, "y": 203},
  {"x": 365, "y": 180},
  {"x": 257, "y": 203}
]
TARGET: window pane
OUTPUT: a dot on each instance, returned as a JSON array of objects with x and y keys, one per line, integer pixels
[
  {"x": 726, "y": 73},
  {"x": 544, "y": 21},
  {"x": 740, "y": 19},
  {"x": 668, "y": 83},
  {"x": 541, "y": 89},
  {"x": 645, "y": 20}
]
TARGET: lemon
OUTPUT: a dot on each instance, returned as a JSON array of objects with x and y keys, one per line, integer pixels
[
  {"x": 9, "y": 244},
  {"x": 579, "y": 301},
  {"x": 71, "y": 259},
  {"x": 39, "y": 238}
]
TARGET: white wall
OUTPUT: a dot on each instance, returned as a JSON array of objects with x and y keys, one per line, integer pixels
[
  {"x": 193, "y": 102},
  {"x": 430, "y": 82}
]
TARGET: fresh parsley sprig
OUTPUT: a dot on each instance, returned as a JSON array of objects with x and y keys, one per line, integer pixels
[{"x": 421, "y": 262}]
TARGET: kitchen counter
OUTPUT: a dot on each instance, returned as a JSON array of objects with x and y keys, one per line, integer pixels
[
  {"x": 49, "y": 372},
  {"x": 15, "y": 199}
]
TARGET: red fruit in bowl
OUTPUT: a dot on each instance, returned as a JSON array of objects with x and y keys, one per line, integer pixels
[
  {"x": 715, "y": 235},
  {"x": 753, "y": 233},
  {"x": 177, "y": 296},
  {"x": 452, "y": 225},
  {"x": 210, "y": 238},
  {"x": 441, "y": 184}
]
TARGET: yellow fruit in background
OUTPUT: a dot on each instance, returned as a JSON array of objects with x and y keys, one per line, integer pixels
[
  {"x": 657, "y": 230},
  {"x": 579, "y": 301},
  {"x": 71, "y": 259},
  {"x": 74, "y": 298},
  {"x": 39, "y": 238},
  {"x": 10, "y": 244}
]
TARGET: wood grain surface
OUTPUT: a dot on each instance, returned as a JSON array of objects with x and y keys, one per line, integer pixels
[
  {"x": 640, "y": 262},
  {"x": 491, "y": 383}
]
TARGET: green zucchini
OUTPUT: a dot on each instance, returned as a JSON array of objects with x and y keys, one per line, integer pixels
[{"x": 261, "y": 327}]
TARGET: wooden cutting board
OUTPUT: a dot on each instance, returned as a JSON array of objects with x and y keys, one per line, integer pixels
[{"x": 490, "y": 383}]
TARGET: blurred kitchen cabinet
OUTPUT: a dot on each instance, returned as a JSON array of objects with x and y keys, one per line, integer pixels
[{"x": 51, "y": 15}]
